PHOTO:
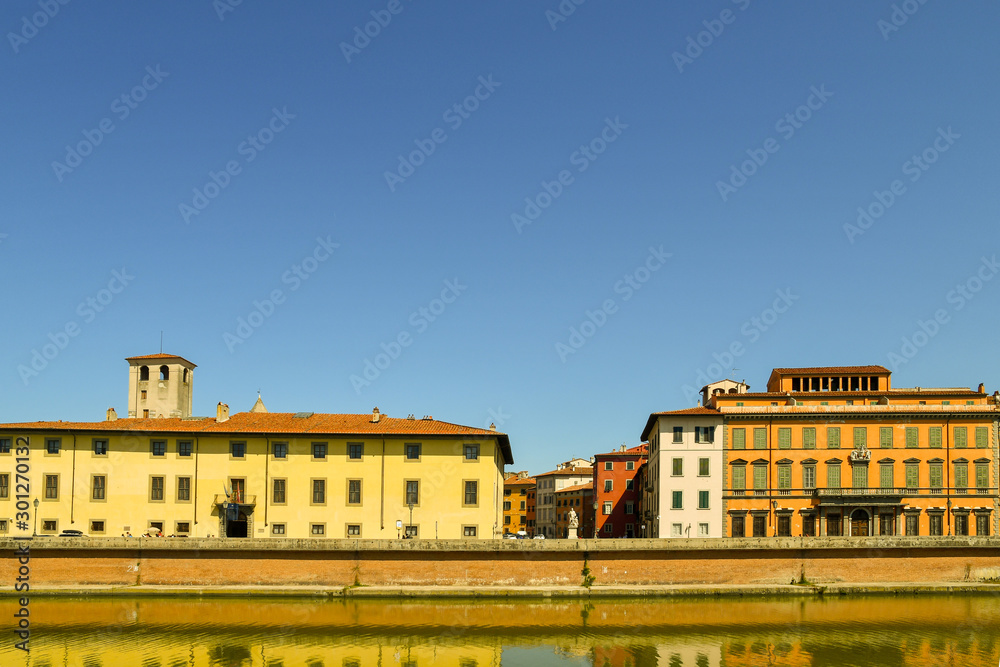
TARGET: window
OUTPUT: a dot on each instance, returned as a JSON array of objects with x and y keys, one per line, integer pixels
[
  {"x": 97, "y": 526},
  {"x": 164, "y": 373},
  {"x": 609, "y": 485},
  {"x": 317, "y": 529},
  {"x": 319, "y": 492},
  {"x": 469, "y": 531},
  {"x": 982, "y": 524},
  {"x": 52, "y": 445},
  {"x": 182, "y": 528},
  {"x": 886, "y": 524},
  {"x": 4, "y": 486},
  {"x": 833, "y": 525},
  {"x": 98, "y": 487},
  {"x": 961, "y": 476},
  {"x": 784, "y": 438},
  {"x": 158, "y": 447},
  {"x": 760, "y": 526},
  {"x": 239, "y": 489},
  {"x": 277, "y": 529},
  {"x": 4, "y": 445},
  {"x": 983, "y": 477},
  {"x": 412, "y": 451},
  {"x": 703, "y": 467},
  {"x": 912, "y": 436},
  {"x": 606, "y": 508},
  {"x": 934, "y": 436},
  {"x": 961, "y": 524},
  {"x": 860, "y": 437},
  {"x": 237, "y": 450},
  {"x": 859, "y": 477},
  {"x": 630, "y": 465},
  {"x": 629, "y": 484},
  {"x": 156, "y": 489},
  {"x": 809, "y": 526},
  {"x": 629, "y": 507},
  {"x": 354, "y": 492},
  {"x": 739, "y": 479},
  {"x": 885, "y": 475},
  {"x": 833, "y": 437},
  {"x": 703, "y": 500},
  {"x": 912, "y": 524},
  {"x": 522, "y": 508},
  {"x": 961, "y": 436},
  {"x": 936, "y": 477},
  {"x": 356, "y": 451},
  {"x": 937, "y": 525},
  {"x": 184, "y": 447},
  {"x": 982, "y": 437},
  {"x": 739, "y": 438},
  {"x": 809, "y": 437},
  {"x": 833, "y": 476},
  {"x": 739, "y": 530},
  {"x": 52, "y": 487},
  {"x": 912, "y": 476},
  {"x": 609, "y": 465},
  {"x": 142, "y": 394},
  {"x": 49, "y": 525},
  {"x": 506, "y": 506},
  {"x": 100, "y": 447},
  {"x": 412, "y": 492},
  {"x": 678, "y": 434},
  {"x": 784, "y": 525},
  {"x": 675, "y": 529},
  {"x": 472, "y": 452},
  {"x": 759, "y": 480},
  {"x": 279, "y": 488},
  {"x": 411, "y": 531},
  {"x": 677, "y": 469},
  {"x": 354, "y": 530},
  {"x": 318, "y": 451},
  {"x": 704, "y": 434},
  {"x": 809, "y": 476},
  {"x": 676, "y": 500},
  {"x": 784, "y": 479},
  {"x": 759, "y": 438},
  {"x": 471, "y": 492},
  {"x": 885, "y": 437},
  {"x": 280, "y": 450}
]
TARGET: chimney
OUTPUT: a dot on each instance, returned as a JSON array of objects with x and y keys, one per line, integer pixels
[
  {"x": 375, "y": 415},
  {"x": 112, "y": 415},
  {"x": 982, "y": 388},
  {"x": 493, "y": 427},
  {"x": 221, "y": 412}
]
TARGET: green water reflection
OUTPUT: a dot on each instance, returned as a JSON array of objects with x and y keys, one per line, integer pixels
[{"x": 897, "y": 631}]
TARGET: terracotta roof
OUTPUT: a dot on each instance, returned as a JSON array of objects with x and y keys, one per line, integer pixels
[
  {"x": 834, "y": 370},
  {"x": 513, "y": 481},
  {"x": 804, "y": 395},
  {"x": 278, "y": 423},
  {"x": 638, "y": 450},
  {"x": 569, "y": 471},
  {"x": 577, "y": 487},
  {"x": 687, "y": 412},
  {"x": 152, "y": 357}
]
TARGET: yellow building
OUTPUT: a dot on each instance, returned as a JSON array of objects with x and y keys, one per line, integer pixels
[{"x": 252, "y": 474}]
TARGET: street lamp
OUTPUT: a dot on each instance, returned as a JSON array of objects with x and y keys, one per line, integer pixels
[
  {"x": 34, "y": 529},
  {"x": 410, "y": 505}
]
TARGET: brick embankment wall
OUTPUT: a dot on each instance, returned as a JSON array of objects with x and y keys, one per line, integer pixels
[{"x": 122, "y": 562}]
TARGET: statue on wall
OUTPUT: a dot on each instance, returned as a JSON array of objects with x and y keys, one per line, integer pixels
[{"x": 574, "y": 520}]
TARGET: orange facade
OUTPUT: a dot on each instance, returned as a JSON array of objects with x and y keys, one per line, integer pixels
[
  {"x": 580, "y": 499},
  {"x": 519, "y": 505},
  {"x": 875, "y": 461}
]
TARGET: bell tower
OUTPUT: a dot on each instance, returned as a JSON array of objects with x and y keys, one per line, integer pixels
[{"x": 160, "y": 385}]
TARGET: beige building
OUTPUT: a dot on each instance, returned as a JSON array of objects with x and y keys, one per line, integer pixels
[
  {"x": 570, "y": 473},
  {"x": 251, "y": 474}
]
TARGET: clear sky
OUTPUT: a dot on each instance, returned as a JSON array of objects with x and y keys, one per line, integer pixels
[{"x": 551, "y": 216}]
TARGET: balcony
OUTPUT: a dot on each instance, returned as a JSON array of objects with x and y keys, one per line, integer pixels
[
  {"x": 220, "y": 499},
  {"x": 871, "y": 496}
]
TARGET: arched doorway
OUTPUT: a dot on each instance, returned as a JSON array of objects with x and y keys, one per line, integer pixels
[
  {"x": 860, "y": 523},
  {"x": 237, "y": 528}
]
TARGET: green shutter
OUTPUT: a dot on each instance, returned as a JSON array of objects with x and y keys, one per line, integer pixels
[
  {"x": 982, "y": 475},
  {"x": 739, "y": 477},
  {"x": 784, "y": 438},
  {"x": 982, "y": 437},
  {"x": 833, "y": 476},
  {"x": 809, "y": 437},
  {"x": 784, "y": 477},
  {"x": 937, "y": 474},
  {"x": 961, "y": 475},
  {"x": 833, "y": 437},
  {"x": 860, "y": 436},
  {"x": 885, "y": 476},
  {"x": 759, "y": 438},
  {"x": 760, "y": 477},
  {"x": 911, "y": 437},
  {"x": 859, "y": 477},
  {"x": 885, "y": 437},
  {"x": 934, "y": 434},
  {"x": 912, "y": 476},
  {"x": 739, "y": 438},
  {"x": 961, "y": 436}
]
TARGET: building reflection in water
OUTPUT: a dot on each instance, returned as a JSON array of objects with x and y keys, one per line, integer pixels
[{"x": 929, "y": 630}]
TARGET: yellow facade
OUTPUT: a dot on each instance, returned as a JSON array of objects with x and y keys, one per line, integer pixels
[{"x": 148, "y": 479}]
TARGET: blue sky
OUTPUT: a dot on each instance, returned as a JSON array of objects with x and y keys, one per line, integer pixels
[{"x": 624, "y": 195}]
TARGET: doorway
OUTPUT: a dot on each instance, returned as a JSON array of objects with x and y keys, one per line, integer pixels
[
  {"x": 859, "y": 523},
  {"x": 237, "y": 527}
]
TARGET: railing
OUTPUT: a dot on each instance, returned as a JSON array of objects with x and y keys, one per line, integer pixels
[
  {"x": 221, "y": 499},
  {"x": 873, "y": 491}
]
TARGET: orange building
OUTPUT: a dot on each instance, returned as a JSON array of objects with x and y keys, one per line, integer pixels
[
  {"x": 839, "y": 451},
  {"x": 519, "y": 503},
  {"x": 580, "y": 499},
  {"x": 617, "y": 492}
]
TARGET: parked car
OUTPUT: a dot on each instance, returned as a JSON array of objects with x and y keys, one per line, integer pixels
[
  {"x": 538, "y": 537},
  {"x": 71, "y": 532},
  {"x": 509, "y": 536}
]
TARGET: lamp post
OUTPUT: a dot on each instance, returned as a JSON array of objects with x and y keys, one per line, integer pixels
[
  {"x": 34, "y": 529},
  {"x": 410, "y": 505}
]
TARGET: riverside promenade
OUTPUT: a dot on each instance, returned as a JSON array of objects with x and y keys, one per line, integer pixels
[{"x": 503, "y": 568}]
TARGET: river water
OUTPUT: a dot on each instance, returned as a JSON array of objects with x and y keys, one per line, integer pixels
[{"x": 959, "y": 631}]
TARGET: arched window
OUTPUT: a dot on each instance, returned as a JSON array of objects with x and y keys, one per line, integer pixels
[
  {"x": 164, "y": 373},
  {"x": 144, "y": 374},
  {"x": 185, "y": 375}
]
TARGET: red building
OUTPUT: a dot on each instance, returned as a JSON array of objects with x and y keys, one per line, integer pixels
[
  {"x": 618, "y": 491},
  {"x": 580, "y": 499}
]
